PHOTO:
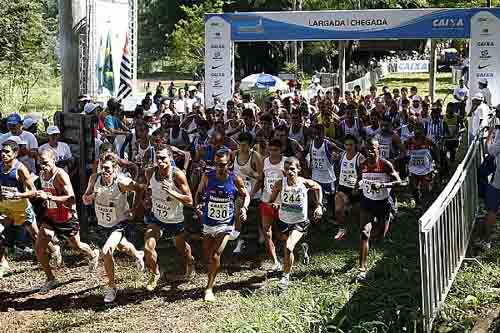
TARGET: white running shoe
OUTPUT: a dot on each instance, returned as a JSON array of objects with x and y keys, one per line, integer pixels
[
  {"x": 109, "y": 295},
  {"x": 239, "y": 247},
  {"x": 276, "y": 267},
  {"x": 4, "y": 269},
  {"x": 94, "y": 261},
  {"x": 51, "y": 284},
  {"x": 139, "y": 261},
  {"x": 209, "y": 295},
  {"x": 56, "y": 257},
  {"x": 484, "y": 245},
  {"x": 284, "y": 282}
]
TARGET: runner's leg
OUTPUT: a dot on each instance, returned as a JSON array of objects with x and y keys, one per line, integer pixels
[
  {"x": 184, "y": 250},
  {"x": 267, "y": 228},
  {"x": 151, "y": 237},
  {"x": 45, "y": 236},
  {"x": 291, "y": 241},
  {"x": 214, "y": 255},
  {"x": 107, "y": 250}
]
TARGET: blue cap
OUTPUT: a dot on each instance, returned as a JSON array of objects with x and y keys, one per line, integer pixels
[{"x": 14, "y": 119}]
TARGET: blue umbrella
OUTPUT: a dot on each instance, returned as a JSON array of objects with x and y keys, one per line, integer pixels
[{"x": 265, "y": 80}]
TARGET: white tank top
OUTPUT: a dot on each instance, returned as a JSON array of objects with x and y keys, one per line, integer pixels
[
  {"x": 385, "y": 146},
  {"x": 322, "y": 168},
  {"x": 231, "y": 129},
  {"x": 246, "y": 172},
  {"x": 375, "y": 177},
  {"x": 165, "y": 208},
  {"x": 293, "y": 208},
  {"x": 348, "y": 170},
  {"x": 406, "y": 134},
  {"x": 110, "y": 203},
  {"x": 420, "y": 161},
  {"x": 272, "y": 173}
]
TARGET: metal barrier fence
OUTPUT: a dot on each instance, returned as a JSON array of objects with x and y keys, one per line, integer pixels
[{"x": 445, "y": 230}]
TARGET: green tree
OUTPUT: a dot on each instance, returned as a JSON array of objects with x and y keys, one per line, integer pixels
[
  {"x": 188, "y": 39},
  {"x": 26, "y": 55}
]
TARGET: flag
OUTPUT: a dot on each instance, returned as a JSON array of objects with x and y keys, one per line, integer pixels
[
  {"x": 125, "y": 87},
  {"x": 107, "y": 71},
  {"x": 99, "y": 67}
]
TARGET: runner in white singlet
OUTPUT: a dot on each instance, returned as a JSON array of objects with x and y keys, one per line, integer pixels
[
  {"x": 108, "y": 190},
  {"x": 293, "y": 212}
]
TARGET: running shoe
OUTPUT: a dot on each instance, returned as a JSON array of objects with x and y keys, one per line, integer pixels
[
  {"x": 51, "y": 284},
  {"x": 109, "y": 295},
  {"x": 139, "y": 261},
  {"x": 239, "y": 247},
  {"x": 276, "y": 267},
  {"x": 4, "y": 269},
  {"x": 153, "y": 282},
  {"x": 341, "y": 234},
  {"x": 94, "y": 261},
  {"x": 306, "y": 258},
  {"x": 209, "y": 295},
  {"x": 284, "y": 282},
  {"x": 484, "y": 245},
  {"x": 234, "y": 235},
  {"x": 56, "y": 258},
  {"x": 362, "y": 274}
]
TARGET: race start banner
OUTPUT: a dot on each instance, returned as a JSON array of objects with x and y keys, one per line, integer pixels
[{"x": 225, "y": 29}]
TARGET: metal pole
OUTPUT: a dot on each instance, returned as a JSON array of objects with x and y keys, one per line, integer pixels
[
  {"x": 342, "y": 67},
  {"x": 295, "y": 53},
  {"x": 432, "y": 71}
]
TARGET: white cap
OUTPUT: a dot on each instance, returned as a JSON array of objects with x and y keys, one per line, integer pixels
[
  {"x": 28, "y": 122},
  {"x": 483, "y": 81},
  {"x": 478, "y": 96},
  {"x": 15, "y": 139},
  {"x": 192, "y": 88},
  {"x": 89, "y": 108},
  {"x": 417, "y": 98},
  {"x": 316, "y": 80},
  {"x": 51, "y": 130}
]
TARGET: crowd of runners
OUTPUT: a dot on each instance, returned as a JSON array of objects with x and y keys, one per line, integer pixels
[{"x": 272, "y": 170}]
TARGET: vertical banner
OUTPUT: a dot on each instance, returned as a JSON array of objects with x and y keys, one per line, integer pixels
[
  {"x": 485, "y": 54},
  {"x": 218, "y": 61}
]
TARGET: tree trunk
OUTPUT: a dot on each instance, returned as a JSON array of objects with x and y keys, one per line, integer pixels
[{"x": 71, "y": 12}]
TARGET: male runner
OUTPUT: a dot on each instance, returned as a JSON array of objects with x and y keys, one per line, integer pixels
[
  {"x": 422, "y": 152},
  {"x": 246, "y": 163},
  {"x": 271, "y": 172},
  {"x": 16, "y": 187},
  {"x": 293, "y": 210},
  {"x": 59, "y": 216},
  {"x": 347, "y": 191},
  {"x": 168, "y": 194},
  {"x": 108, "y": 190},
  {"x": 377, "y": 177},
  {"x": 217, "y": 192}
]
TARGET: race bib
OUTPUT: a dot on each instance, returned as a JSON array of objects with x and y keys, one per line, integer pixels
[
  {"x": 270, "y": 181},
  {"x": 160, "y": 210},
  {"x": 418, "y": 161},
  {"x": 248, "y": 184},
  {"x": 348, "y": 179},
  {"x": 292, "y": 198},
  {"x": 51, "y": 204},
  {"x": 219, "y": 211},
  {"x": 317, "y": 163},
  {"x": 105, "y": 215}
]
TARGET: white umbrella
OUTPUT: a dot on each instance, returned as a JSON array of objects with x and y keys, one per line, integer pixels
[{"x": 263, "y": 81}]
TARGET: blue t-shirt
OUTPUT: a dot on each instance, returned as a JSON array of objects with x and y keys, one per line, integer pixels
[{"x": 111, "y": 122}]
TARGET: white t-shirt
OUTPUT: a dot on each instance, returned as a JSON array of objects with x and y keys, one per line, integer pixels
[
  {"x": 31, "y": 143},
  {"x": 180, "y": 106},
  {"x": 63, "y": 152},
  {"x": 190, "y": 102},
  {"x": 461, "y": 93},
  {"x": 481, "y": 112},
  {"x": 487, "y": 95}
]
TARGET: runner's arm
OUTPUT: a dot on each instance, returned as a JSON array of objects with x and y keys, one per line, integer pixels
[
  {"x": 184, "y": 196},
  {"x": 389, "y": 169},
  {"x": 201, "y": 189},
  {"x": 317, "y": 192},
  {"x": 88, "y": 197},
  {"x": 240, "y": 186},
  {"x": 402, "y": 147},
  {"x": 260, "y": 180},
  {"x": 25, "y": 178},
  {"x": 276, "y": 191},
  {"x": 68, "y": 198}
]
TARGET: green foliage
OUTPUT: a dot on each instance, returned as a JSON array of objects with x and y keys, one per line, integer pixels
[
  {"x": 27, "y": 38},
  {"x": 188, "y": 39}
]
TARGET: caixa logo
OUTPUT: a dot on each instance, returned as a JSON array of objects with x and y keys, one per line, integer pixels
[{"x": 448, "y": 23}]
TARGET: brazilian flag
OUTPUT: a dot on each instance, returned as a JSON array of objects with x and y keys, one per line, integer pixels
[{"x": 107, "y": 70}]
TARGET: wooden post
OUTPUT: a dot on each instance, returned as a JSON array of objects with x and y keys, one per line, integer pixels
[
  {"x": 432, "y": 71},
  {"x": 71, "y": 12},
  {"x": 342, "y": 67}
]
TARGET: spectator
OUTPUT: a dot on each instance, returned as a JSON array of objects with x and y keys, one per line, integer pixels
[
  {"x": 82, "y": 101},
  {"x": 28, "y": 150},
  {"x": 478, "y": 115},
  {"x": 63, "y": 156},
  {"x": 30, "y": 125},
  {"x": 485, "y": 91}
]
